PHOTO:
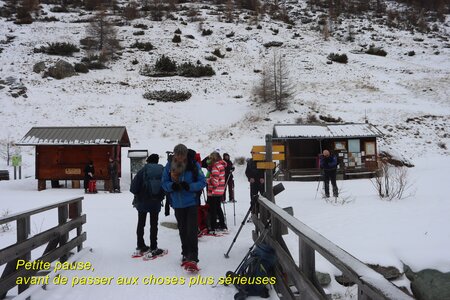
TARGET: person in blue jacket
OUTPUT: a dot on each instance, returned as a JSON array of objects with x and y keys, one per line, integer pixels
[
  {"x": 328, "y": 165},
  {"x": 183, "y": 179}
]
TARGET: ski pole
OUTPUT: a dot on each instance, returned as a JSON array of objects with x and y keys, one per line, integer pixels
[
  {"x": 240, "y": 228},
  {"x": 224, "y": 213},
  {"x": 318, "y": 184},
  {"x": 234, "y": 212}
]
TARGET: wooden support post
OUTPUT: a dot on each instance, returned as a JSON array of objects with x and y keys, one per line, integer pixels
[
  {"x": 307, "y": 260},
  {"x": 63, "y": 214},
  {"x": 23, "y": 230},
  {"x": 41, "y": 185}
]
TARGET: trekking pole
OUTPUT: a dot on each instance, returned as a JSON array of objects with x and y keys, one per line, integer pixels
[
  {"x": 224, "y": 213},
  {"x": 318, "y": 184},
  {"x": 240, "y": 228},
  {"x": 234, "y": 212},
  {"x": 261, "y": 237}
]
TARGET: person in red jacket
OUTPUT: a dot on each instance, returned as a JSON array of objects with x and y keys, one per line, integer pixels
[{"x": 216, "y": 189}]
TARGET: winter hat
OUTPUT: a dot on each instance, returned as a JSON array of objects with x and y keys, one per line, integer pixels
[
  {"x": 180, "y": 150},
  {"x": 153, "y": 159}
]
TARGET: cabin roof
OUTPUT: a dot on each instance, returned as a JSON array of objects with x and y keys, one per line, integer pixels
[
  {"x": 325, "y": 131},
  {"x": 83, "y": 135}
]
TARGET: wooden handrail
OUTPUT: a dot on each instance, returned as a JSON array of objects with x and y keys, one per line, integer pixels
[
  {"x": 371, "y": 283},
  {"x": 34, "y": 211}
]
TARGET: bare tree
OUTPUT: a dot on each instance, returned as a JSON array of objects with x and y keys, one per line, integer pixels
[
  {"x": 275, "y": 85},
  {"x": 229, "y": 11},
  {"x": 5, "y": 149},
  {"x": 103, "y": 35}
]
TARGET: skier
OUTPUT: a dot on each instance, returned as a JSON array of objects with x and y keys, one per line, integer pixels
[
  {"x": 183, "y": 179},
  {"x": 113, "y": 171},
  {"x": 229, "y": 177},
  {"x": 146, "y": 186},
  {"x": 328, "y": 165},
  {"x": 216, "y": 190},
  {"x": 89, "y": 172}
]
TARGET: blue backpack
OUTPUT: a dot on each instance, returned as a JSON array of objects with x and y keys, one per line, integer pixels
[{"x": 260, "y": 264}]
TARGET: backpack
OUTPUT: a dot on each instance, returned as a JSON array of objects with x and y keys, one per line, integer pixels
[
  {"x": 152, "y": 181},
  {"x": 260, "y": 264}
]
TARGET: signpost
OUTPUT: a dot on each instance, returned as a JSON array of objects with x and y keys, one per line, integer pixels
[{"x": 17, "y": 162}]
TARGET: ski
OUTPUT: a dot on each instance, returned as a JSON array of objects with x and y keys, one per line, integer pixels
[{"x": 151, "y": 256}]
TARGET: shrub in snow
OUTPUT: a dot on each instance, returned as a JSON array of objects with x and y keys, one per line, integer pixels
[
  {"x": 64, "y": 49},
  {"x": 81, "y": 68},
  {"x": 273, "y": 44},
  {"x": 167, "y": 96},
  {"x": 176, "y": 39},
  {"x": 217, "y": 53},
  {"x": 330, "y": 119},
  {"x": 391, "y": 181},
  {"x": 39, "y": 67},
  {"x": 143, "y": 46},
  {"x": 191, "y": 70},
  {"x": 240, "y": 160},
  {"x": 59, "y": 9},
  {"x": 376, "y": 51},
  {"x": 165, "y": 64},
  {"x": 211, "y": 58},
  {"x": 206, "y": 32},
  {"x": 140, "y": 32},
  {"x": 140, "y": 26},
  {"x": 442, "y": 145},
  {"x": 178, "y": 31},
  {"x": 340, "y": 58}
]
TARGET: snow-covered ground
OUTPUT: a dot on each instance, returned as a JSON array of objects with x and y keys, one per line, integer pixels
[{"x": 406, "y": 97}]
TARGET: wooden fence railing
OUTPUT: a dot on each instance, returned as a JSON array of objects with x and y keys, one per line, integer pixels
[
  {"x": 56, "y": 238},
  {"x": 371, "y": 285}
]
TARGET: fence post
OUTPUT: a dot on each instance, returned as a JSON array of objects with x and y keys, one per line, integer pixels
[
  {"x": 23, "y": 230},
  {"x": 63, "y": 214},
  {"x": 307, "y": 260}
]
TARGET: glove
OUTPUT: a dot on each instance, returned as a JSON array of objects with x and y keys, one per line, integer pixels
[
  {"x": 176, "y": 187},
  {"x": 232, "y": 169},
  {"x": 185, "y": 185}
]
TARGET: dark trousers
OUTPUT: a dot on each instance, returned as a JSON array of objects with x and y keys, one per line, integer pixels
[
  {"x": 187, "y": 227},
  {"x": 214, "y": 212},
  {"x": 230, "y": 188},
  {"x": 115, "y": 186},
  {"x": 142, "y": 217},
  {"x": 327, "y": 177}
]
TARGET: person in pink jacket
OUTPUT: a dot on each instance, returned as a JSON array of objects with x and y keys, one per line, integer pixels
[{"x": 216, "y": 189}]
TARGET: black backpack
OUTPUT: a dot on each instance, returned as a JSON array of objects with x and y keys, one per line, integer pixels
[{"x": 260, "y": 264}]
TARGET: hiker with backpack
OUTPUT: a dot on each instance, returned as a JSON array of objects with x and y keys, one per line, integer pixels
[
  {"x": 146, "y": 186},
  {"x": 183, "y": 179},
  {"x": 216, "y": 189}
]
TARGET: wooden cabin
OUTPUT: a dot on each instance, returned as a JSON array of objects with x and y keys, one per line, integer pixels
[
  {"x": 63, "y": 152},
  {"x": 355, "y": 146}
]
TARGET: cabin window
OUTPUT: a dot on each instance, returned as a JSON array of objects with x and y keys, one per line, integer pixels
[
  {"x": 354, "y": 146},
  {"x": 370, "y": 148}
]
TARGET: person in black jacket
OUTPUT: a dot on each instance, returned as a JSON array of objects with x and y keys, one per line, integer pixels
[
  {"x": 89, "y": 172},
  {"x": 229, "y": 178},
  {"x": 146, "y": 186},
  {"x": 255, "y": 177}
]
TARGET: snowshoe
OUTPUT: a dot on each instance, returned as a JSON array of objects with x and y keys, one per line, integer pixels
[
  {"x": 153, "y": 254},
  {"x": 190, "y": 266},
  {"x": 140, "y": 252}
]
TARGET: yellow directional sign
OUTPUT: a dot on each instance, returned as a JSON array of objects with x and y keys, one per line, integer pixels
[
  {"x": 261, "y": 149},
  {"x": 262, "y": 156},
  {"x": 267, "y": 165}
]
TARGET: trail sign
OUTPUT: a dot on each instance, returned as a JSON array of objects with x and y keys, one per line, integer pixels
[
  {"x": 16, "y": 160},
  {"x": 262, "y": 149},
  {"x": 262, "y": 156},
  {"x": 267, "y": 165}
]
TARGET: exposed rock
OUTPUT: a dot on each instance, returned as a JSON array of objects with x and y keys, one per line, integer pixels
[
  {"x": 429, "y": 284},
  {"x": 60, "y": 70},
  {"x": 39, "y": 67},
  {"x": 273, "y": 44},
  {"x": 323, "y": 278},
  {"x": 390, "y": 273},
  {"x": 344, "y": 280}
]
